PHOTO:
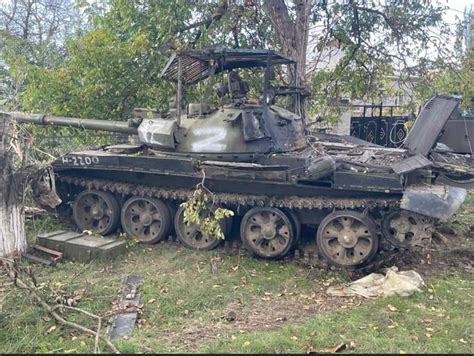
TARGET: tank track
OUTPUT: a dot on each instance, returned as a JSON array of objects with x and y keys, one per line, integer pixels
[
  {"x": 301, "y": 255},
  {"x": 290, "y": 202}
]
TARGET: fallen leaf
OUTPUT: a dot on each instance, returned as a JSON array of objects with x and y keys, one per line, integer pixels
[
  {"x": 179, "y": 302},
  {"x": 462, "y": 341},
  {"x": 51, "y": 329},
  {"x": 246, "y": 344},
  {"x": 164, "y": 290},
  {"x": 392, "y": 308},
  {"x": 294, "y": 338},
  {"x": 152, "y": 300},
  {"x": 429, "y": 329}
]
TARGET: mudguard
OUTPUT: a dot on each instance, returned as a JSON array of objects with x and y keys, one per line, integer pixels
[{"x": 436, "y": 201}]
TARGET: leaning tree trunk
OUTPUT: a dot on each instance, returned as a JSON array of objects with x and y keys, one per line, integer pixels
[
  {"x": 12, "y": 228},
  {"x": 292, "y": 32}
]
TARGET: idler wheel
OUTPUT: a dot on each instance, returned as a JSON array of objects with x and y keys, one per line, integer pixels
[
  {"x": 96, "y": 211},
  {"x": 347, "y": 239},
  {"x": 146, "y": 219},
  {"x": 191, "y": 235},
  {"x": 267, "y": 232}
]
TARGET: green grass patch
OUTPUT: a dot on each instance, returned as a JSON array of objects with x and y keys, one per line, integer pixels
[
  {"x": 181, "y": 294},
  {"x": 438, "y": 321}
]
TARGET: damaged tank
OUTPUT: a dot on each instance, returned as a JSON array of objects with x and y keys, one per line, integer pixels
[{"x": 250, "y": 146}]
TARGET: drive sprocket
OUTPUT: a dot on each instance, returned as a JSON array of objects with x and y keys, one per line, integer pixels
[{"x": 406, "y": 229}]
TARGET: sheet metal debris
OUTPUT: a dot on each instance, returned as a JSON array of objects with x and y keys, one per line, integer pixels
[{"x": 127, "y": 308}]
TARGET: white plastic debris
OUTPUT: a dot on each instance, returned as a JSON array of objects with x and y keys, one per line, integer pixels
[{"x": 403, "y": 283}]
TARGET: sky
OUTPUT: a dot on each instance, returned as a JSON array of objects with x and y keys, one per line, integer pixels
[{"x": 456, "y": 8}]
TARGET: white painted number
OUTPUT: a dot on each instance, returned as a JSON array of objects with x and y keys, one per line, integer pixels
[{"x": 80, "y": 161}]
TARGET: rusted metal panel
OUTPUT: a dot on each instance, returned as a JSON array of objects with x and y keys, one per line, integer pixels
[
  {"x": 428, "y": 125},
  {"x": 197, "y": 64}
]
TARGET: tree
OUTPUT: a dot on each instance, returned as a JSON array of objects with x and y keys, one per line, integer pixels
[
  {"x": 12, "y": 233},
  {"x": 115, "y": 66},
  {"x": 376, "y": 38},
  {"x": 33, "y": 32}
]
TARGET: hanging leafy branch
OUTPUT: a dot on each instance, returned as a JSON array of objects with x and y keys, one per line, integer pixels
[{"x": 201, "y": 210}]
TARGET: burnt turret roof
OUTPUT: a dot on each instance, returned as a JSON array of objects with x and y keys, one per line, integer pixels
[{"x": 197, "y": 64}]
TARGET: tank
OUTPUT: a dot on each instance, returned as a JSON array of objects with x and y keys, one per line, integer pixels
[{"x": 248, "y": 144}]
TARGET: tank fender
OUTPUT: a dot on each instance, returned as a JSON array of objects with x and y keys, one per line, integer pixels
[{"x": 436, "y": 201}]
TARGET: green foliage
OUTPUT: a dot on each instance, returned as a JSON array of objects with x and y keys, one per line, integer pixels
[
  {"x": 458, "y": 80},
  {"x": 376, "y": 41},
  {"x": 198, "y": 210}
]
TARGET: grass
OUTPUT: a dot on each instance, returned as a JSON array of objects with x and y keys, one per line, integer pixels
[
  {"x": 280, "y": 307},
  {"x": 418, "y": 324}
]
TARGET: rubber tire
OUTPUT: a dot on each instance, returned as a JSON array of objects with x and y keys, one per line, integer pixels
[
  {"x": 110, "y": 200},
  {"x": 165, "y": 213},
  {"x": 256, "y": 253},
  {"x": 371, "y": 227},
  {"x": 180, "y": 236}
]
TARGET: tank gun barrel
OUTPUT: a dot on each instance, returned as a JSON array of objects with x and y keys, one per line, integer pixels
[{"x": 88, "y": 124}]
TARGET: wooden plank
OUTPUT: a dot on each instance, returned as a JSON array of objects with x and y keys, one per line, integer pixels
[{"x": 38, "y": 259}]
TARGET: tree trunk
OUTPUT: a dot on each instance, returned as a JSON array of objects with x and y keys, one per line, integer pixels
[
  {"x": 292, "y": 33},
  {"x": 12, "y": 228}
]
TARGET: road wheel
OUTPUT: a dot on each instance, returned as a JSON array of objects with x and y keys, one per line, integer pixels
[
  {"x": 347, "y": 239},
  {"x": 267, "y": 232},
  {"x": 146, "y": 219},
  {"x": 96, "y": 211}
]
